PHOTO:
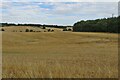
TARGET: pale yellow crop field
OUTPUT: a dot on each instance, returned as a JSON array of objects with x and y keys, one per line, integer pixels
[
  {"x": 59, "y": 55},
  {"x": 23, "y": 28}
]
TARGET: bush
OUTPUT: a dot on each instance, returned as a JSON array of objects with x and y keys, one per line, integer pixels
[
  {"x": 44, "y": 27},
  {"x": 2, "y": 29},
  {"x": 38, "y": 31},
  {"x": 49, "y": 30},
  {"x": 27, "y": 30},
  {"x": 69, "y": 29},
  {"x": 64, "y": 29},
  {"x": 32, "y": 31},
  {"x": 52, "y": 30}
]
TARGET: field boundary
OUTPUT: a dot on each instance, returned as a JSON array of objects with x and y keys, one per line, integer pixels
[{"x": 60, "y": 79}]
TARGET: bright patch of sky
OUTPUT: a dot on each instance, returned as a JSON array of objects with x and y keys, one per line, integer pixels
[
  {"x": 60, "y": 0},
  {"x": 61, "y": 13}
]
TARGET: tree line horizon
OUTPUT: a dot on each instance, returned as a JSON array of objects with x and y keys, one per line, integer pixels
[
  {"x": 98, "y": 25},
  {"x": 33, "y": 25}
]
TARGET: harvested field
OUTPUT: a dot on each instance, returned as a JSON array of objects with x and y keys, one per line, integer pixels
[{"x": 60, "y": 55}]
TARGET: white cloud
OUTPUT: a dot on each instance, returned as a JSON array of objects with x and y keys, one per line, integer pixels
[
  {"x": 86, "y": 8},
  {"x": 119, "y": 8},
  {"x": 60, "y": 0},
  {"x": 60, "y": 13}
]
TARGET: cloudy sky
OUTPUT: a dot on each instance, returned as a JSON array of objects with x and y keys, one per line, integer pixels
[{"x": 61, "y": 13}]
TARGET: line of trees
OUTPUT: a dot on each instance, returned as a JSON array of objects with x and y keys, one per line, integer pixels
[
  {"x": 33, "y": 25},
  {"x": 99, "y": 25}
]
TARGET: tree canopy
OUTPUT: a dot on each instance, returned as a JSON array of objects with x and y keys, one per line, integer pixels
[{"x": 98, "y": 25}]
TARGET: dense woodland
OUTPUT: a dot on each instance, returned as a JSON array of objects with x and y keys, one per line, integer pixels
[{"x": 99, "y": 25}]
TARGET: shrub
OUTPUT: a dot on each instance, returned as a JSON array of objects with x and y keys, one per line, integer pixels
[
  {"x": 44, "y": 27},
  {"x": 31, "y": 31},
  {"x": 27, "y": 30},
  {"x": 64, "y": 29},
  {"x": 69, "y": 29},
  {"x": 38, "y": 31},
  {"x": 52, "y": 30},
  {"x": 49, "y": 30},
  {"x": 2, "y": 29}
]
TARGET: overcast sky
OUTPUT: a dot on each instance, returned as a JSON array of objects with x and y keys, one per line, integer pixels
[{"x": 61, "y": 13}]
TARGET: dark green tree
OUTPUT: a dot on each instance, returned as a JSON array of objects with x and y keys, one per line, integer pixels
[
  {"x": 27, "y": 30},
  {"x": 2, "y": 29}
]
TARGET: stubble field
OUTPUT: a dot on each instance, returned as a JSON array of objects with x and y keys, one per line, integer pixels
[{"x": 59, "y": 55}]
